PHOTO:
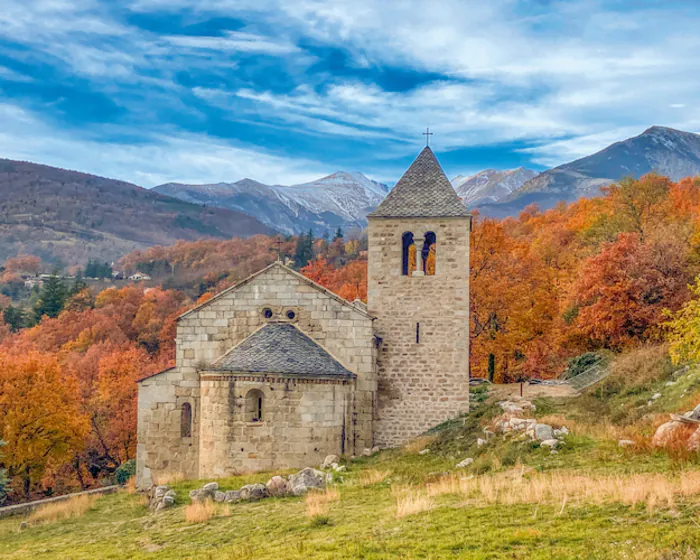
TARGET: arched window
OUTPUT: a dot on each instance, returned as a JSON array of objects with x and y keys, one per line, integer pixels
[
  {"x": 408, "y": 262},
  {"x": 254, "y": 406},
  {"x": 186, "y": 420},
  {"x": 429, "y": 253}
]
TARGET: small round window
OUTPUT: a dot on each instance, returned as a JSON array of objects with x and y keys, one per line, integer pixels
[
  {"x": 267, "y": 313},
  {"x": 291, "y": 315}
]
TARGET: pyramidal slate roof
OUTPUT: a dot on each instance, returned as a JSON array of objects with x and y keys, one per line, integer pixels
[
  {"x": 423, "y": 191},
  {"x": 280, "y": 348}
]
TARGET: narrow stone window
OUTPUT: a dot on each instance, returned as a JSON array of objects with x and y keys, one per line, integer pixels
[
  {"x": 254, "y": 406},
  {"x": 186, "y": 420},
  {"x": 417, "y": 333},
  {"x": 408, "y": 261},
  {"x": 429, "y": 253}
]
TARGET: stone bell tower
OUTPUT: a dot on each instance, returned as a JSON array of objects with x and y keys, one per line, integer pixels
[{"x": 419, "y": 293}]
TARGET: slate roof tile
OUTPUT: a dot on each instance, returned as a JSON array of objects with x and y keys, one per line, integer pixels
[
  {"x": 423, "y": 191},
  {"x": 280, "y": 348}
]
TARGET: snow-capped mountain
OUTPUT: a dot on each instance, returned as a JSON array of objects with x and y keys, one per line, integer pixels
[
  {"x": 341, "y": 199},
  {"x": 490, "y": 185}
]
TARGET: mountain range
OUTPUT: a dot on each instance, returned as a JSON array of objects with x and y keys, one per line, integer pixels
[
  {"x": 491, "y": 185},
  {"x": 69, "y": 217},
  {"x": 338, "y": 200},
  {"x": 670, "y": 152}
]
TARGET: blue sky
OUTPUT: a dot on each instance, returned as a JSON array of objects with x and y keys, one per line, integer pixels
[{"x": 216, "y": 90}]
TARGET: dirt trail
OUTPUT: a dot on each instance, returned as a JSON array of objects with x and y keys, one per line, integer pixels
[{"x": 501, "y": 392}]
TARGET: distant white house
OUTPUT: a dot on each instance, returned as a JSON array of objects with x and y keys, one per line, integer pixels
[{"x": 138, "y": 276}]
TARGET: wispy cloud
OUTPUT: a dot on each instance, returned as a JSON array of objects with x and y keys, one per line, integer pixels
[{"x": 289, "y": 83}]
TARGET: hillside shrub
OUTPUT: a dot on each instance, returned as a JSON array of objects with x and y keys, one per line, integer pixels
[
  {"x": 579, "y": 364},
  {"x": 125, "y": 471}
]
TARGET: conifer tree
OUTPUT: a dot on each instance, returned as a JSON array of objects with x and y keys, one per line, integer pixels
[
  {"x": 52, "y": 297},
  {"x": 13, "y": 317},
  {"x": 304, "y": 251}
]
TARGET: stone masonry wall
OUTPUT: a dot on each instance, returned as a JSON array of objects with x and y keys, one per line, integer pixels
[
  {"x": 208, "y": 332},
  {"x": 343, "y": 330},
  {"x": 303, "y": 421},
  {"x": 420, "y": 384},
  {"x": 161, "y": 451}
]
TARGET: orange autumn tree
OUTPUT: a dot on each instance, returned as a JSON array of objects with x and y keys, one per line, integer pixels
[
  {"x": 623, "y": 292},
  {"x": 118, "y": 372},
  {"x": 349, "y": 282},
  {"x": 40, "y": 415}
]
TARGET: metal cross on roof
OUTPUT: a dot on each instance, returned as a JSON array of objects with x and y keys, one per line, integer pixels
[
  {"x": 278, "y": 242},
  {"x": 427, "y": 135}
]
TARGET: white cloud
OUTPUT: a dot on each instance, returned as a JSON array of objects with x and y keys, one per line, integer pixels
[
  {"x": 563, "y": 76},
  {"x": 163, "y": 158},
  {"x": 235, "y": 41}
]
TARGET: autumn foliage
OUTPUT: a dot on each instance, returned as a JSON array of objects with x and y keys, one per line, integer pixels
[
  {"x": 605, "y": 273},
  {"x": 68, "y": 386}
]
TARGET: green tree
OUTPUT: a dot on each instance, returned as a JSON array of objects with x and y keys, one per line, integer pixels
[
  {"x": 14, "y": 317},
  {"x": 338, "y": 234},
  {"x": 52, "y": 297},
  {"x": 304, "y": 250}
]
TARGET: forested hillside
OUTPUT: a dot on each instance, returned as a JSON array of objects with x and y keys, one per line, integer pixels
[
  {"x": 69, "y": 217},
  {"x": 602, "y": 275}
]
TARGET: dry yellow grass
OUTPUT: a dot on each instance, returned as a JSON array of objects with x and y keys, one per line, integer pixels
[
  {"x": 373, "y": 476},
  {"x": 130, "y": 485},
  {"x": 74, "y": 507},
  {"x": 410, "y": 502},
  {"x": 561, "y": 488},
  {"x": 419, "y": 443},
  {"x": 317, "y": 501},
  {"x": 200, "y": 512}
]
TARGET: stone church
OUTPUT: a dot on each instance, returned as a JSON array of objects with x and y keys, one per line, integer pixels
[{"x": 278, "y": 372}]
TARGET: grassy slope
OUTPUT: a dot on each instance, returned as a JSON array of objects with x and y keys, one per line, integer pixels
[{"x": 363, "y": 523}]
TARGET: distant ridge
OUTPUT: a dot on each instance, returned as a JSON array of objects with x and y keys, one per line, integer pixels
[
  {"x": 490, "y": 185},
  {"x": 69, "y": 217},
  {"x": 341, "y": 199},
  {"x": 670, "y": 152}
]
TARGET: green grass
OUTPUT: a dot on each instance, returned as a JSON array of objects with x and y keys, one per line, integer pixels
[{"x": 363, "y": 524}]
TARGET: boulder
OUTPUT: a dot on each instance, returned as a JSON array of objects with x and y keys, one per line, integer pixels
[
  {"x": 424, "y": 452},
  {"x": 563, "y": 431},
  {"x": 656, "y": 396},
  {"x": 375, "y": 449},
  {"x": 300, "y": 482},
  {"x": 232, "y": 496},
  {"x": 161, "y": 497},
  {"x": 480, "y": 442},
  {"x": 329, "y": 460},
  {"x": 219, "y": 496},
  {"x": 625, "y": 443},
  {"x": 543, "y": 432},
  {"x": 664, "y": 433},
  {"x": 366, "y": 452},
  {"x": 464, "y": 463},
  {"x": 340, "y": 468},
  {"x": 694, "y": 414},
  {"x": 206, "y": 492},
  {"x": 550, "y": 443},
  {"x": 253, "y": 492},
  {"x": 277, "y": 486},
  {"x": 693, "y": 442}
]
